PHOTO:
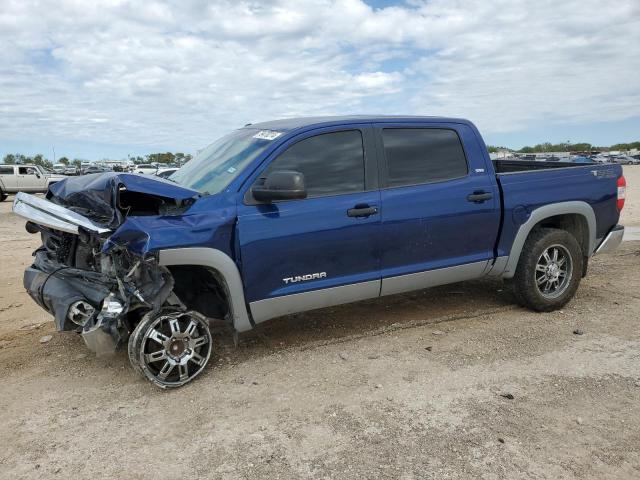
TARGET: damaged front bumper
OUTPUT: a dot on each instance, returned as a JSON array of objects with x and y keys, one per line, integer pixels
[
  {"x": 78, "y": 300},
  {"x": 86, "y": 289},
  {"x": 48, "y": 214}
]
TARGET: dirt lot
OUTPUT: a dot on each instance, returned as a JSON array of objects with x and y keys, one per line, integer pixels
[{"x": 402, "y": 387}]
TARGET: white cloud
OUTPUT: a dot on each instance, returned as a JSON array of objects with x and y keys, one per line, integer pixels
[{"x": 180, "y": 73}]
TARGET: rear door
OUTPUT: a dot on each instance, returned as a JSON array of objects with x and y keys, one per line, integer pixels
[
  {"x": 302, "y": 254},
  {"x": 440, "y": 206}
]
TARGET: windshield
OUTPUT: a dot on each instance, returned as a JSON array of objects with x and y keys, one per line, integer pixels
[{"x": 218, "y": 164}]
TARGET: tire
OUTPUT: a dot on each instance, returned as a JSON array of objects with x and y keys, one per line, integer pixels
[
  {"x": 170, "y": 348},
  {"x": 538, "y": 283},
  {"x": 3, "y": 196}
]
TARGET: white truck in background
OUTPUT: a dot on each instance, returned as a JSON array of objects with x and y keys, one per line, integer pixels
[{"x": 25, "y": 178}]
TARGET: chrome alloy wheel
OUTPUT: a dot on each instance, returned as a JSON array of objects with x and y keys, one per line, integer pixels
[
  {"x": 173, "y": 348},
  {"x": 553, "y": 271}
]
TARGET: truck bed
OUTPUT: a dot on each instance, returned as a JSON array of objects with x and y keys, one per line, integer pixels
[
  {"x": 508, "y": 166},
  {"x": 526, "y": 185}
]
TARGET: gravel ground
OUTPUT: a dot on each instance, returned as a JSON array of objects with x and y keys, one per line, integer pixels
[{"x": 453, "y": 382}]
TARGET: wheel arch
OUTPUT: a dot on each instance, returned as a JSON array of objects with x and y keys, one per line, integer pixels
[
  {"x": 226, "y": 271},
  {"x": 576, "y": 217}
]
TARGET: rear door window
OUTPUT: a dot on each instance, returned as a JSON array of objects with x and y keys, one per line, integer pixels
[
  {"x": 6, "y": 170},
  {"x": 422, "y": 155}
]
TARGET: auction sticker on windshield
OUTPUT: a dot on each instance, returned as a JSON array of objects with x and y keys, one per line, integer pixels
[{"x": 267, "y": 135}]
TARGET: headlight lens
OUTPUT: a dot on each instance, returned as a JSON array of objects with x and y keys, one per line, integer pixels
[{"x": 111, "y": 307}]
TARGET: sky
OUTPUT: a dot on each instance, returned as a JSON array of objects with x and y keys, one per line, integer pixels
[{"x": 107, "y": 79}]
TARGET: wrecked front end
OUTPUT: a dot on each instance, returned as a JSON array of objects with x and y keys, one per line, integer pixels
[
  {"x": 87, "y": 281},
  {"x": 100, "y": 295}
]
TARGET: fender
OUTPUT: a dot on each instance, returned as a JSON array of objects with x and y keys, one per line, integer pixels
[
  {"x": 222, "y": 263},
  {"x": 541, "y": 213}
]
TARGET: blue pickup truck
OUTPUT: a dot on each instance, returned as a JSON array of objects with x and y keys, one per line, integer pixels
[{"x": 299, "y": 214}]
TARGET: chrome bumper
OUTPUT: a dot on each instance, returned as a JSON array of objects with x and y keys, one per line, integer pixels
[
  {"x": 44, "y": 212},
  {"x": 612, "y": 240}
]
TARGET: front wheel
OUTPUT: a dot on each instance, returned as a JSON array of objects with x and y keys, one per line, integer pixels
[
  {"x": 3, "y": 196},
  {"x": 170, "y": 348},
  {"x": 549, "y": 270}
]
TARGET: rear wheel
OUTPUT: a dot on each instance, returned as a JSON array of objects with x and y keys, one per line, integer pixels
[
  {"x": 171, "y": 348},
  {"x": 3, "y": 196},
  {"x": 549, "y": 270}
]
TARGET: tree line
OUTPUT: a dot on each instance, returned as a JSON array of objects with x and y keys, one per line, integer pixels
[
  {"x": 39, "y": 159},
  {"x": 566, "y": 147}
]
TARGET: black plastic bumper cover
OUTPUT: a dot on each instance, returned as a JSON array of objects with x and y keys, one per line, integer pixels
[{"x": 55, "y": 287}]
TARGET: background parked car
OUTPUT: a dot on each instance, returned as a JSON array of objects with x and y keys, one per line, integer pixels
[
  {"x": 94, "y": 169},
  {"x": 625, "y": 160},
  {"x": 166, "y": 172},
  {"x": 581, "y": 159},
  {"x": 25, "y": 178},
  {"x": 146, "y": 168}
]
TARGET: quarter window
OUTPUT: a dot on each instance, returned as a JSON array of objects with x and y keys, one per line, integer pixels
[
  {"x": 422, "y": 155},
  {"x": 6, "y": 170},
  {"x": 332, "y": 163}
]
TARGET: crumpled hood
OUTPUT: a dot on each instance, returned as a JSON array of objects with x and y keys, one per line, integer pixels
[{"x": 99, "y": 196}]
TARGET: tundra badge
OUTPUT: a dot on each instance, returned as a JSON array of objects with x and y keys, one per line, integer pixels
[{"x": 304, "y": 278}]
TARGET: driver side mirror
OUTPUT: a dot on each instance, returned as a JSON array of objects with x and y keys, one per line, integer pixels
[{"x": 280, "y": 185}]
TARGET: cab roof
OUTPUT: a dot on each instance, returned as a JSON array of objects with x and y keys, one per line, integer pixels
[{"x": 290, "y": 124}]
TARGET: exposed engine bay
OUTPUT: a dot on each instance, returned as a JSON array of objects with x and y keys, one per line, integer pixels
[{"x": 113, "y": 294}]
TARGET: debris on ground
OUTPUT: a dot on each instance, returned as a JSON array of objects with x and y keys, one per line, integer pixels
[
  {"x": 577, "y": 331},
  {"x": 508, "y": 396},
  {"x": 46, "y": 338}
]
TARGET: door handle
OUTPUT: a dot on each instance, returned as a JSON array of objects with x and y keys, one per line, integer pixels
[
  {"x": 479, "y": 197},
  {"x": 362, "y": 211}
]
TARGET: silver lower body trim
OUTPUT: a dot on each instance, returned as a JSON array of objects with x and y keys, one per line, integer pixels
[
  {"x": 266, "y": 309},
  {"x": 432, "y": 278},
  {"x": 498, "y": 267},
  {"x": 263, "y": 310},
  {"x": 612, "y": 240}
]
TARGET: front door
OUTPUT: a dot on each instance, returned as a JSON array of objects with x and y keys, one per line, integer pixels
[
  {"x": 323, "y": 250},
  {"x": 30, "y": 179}
]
